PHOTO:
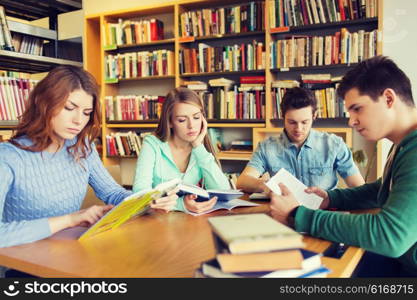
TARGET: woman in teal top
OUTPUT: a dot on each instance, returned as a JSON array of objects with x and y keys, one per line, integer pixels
[{"x": 180, "y": 148}]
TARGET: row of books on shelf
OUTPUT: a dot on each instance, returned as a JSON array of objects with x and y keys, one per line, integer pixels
[
  {"x": 27, "y": 44},
  {"x": 242, "y": 57},
  {"x": 255, "y": 246},
  {"x": 139, "y": 64},
  {"x": 343, "y": 47},
  {"x": 5, "y": 35},
  {"x": 128, "y": 32},
  {"x": 225, "y": 20},
  {"x": 308, "y": 12},
  {"x": 14, "y": 93},
  {"x": 133, "y": 107},
  {"x": 125, "y": 143}
]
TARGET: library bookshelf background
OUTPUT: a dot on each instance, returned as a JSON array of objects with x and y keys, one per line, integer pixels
[
  {"x": 242, "y": 51},
  {"x": 26, "y": 50}
]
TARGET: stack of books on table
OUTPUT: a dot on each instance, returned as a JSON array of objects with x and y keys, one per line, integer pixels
[{"x": 256, "y": 245}]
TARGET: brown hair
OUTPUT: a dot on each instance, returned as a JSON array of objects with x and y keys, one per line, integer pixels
[
  {"x": 47, "y": 99},
  {"x": 180, "y": 95},
  {"x": 297, "y": 98},
  {"x": 373, "y": 76}
]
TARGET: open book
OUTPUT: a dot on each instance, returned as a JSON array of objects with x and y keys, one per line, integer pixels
[
  {"x": 296, "y": 187},
  {"x": 205, "y": 195},
  {"x": 131, "y": 206}
]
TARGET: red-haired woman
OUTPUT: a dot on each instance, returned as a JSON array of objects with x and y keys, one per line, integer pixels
[{"x": 47, "y": 165}]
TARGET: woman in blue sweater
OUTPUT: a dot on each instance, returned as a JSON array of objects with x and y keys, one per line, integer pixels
[
  {"x": 47, "y": 165},
  {"x": 180, "y": 148}
]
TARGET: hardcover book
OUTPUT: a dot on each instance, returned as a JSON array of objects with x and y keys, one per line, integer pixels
[{"x": 250, "y": 233}]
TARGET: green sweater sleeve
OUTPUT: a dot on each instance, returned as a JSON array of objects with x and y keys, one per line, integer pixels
[
  {"x": 212, "y": 174},
  {"x": 361, "y": 197},
  {"x": 391, "y": 232},
  {"x": 144, "y": 167}
]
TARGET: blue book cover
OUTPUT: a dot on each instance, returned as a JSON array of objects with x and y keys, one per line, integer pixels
[
  {"x": 205, "y": 195},
  {"x": 314, "y": 268}
]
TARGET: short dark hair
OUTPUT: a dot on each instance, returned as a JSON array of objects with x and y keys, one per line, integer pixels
[
  {"x": 296, "y": 98},
  {"x": 372, "y": 76}
]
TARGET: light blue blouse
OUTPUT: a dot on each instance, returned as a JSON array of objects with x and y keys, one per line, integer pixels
[{"x": 316, "y": 163}]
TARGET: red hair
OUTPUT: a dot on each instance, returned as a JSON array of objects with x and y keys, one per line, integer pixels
[{"x": 47, "y": 99}]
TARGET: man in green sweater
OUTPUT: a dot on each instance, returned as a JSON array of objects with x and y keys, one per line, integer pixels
[{"x": 379, "y": 100}]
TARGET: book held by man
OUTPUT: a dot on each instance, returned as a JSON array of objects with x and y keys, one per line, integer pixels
[
  {"x": 296, "y": 187},
  {"x": 133, "y": 205},
  {"x": 250, "y": 233}
]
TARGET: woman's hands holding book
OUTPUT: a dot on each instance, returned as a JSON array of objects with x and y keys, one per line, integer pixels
[
  {"x": 166, "y": 203},
  {"x": 83, "y": 217},
  {"x": 198, "y": 207}
]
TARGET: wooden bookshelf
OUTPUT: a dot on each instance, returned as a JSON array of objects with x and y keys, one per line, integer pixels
[
  {"x": 141, "y": 45},
  {"x": 95, "y": 52},
  {"x": 8, "y": 124},
  {"x": 229, "y": 36}
]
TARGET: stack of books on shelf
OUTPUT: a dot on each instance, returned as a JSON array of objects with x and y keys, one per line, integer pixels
[
  {"x": 324, "y": 86},
  {"x": 255, "y": 245},
  {"x": 27, "y": 44},
  {"x": 139, "y": 64},
  {"x": 133, "y": 107},
  {"x": 195, "y": 85},
  {"x": 5, "y": 36},
  {"x": 241, "y": 145},
  {"x": 14, "y": 94},
  {"x": 238, "y": 57},
  {"x": 226, "y": 100},
  {"x": 225, "y": 20},
  {"x": 128, "y": 32},
  {"x": 304, "y": 12},
  {"x": 125, "y": 143},
  {"x": 343, "y": 47}
]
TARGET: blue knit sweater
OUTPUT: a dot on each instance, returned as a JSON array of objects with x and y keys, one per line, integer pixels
[{"x": 35, "y": 186}]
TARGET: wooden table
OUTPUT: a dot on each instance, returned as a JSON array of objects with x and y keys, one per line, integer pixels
[{"x": 155, "y": 245}]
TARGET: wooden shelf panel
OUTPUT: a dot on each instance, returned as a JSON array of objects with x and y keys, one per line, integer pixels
[
  {"x": 33, "y": 9},
  {"x": 149, "y": 44},
  {"x": 8, "y": 124},
  {"x": 312, "y": 27},
  {"x": 132, "y": 125},
  {"x": 114, "y": 81},
  {"x": 211, "y": 123},
  {"x": 27, "y": 63},
  {"x": 192, "y": 39},
  {"x": 311, "y": 68},
  {"x": 223, "y": 73},
  {"x": 234, "y": 155},
  {"x": 236, "y": 125},
  {"x": 31, "y": 30}
]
